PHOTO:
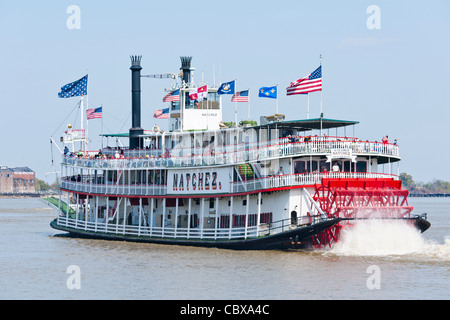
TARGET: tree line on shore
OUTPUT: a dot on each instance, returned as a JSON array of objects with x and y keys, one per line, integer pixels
[
  {"x": 42, "y": 186},
  {"x": 432, "y": 187}
]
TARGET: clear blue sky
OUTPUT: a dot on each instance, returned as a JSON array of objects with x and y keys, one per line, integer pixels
[{"x": 394, "y": 80}]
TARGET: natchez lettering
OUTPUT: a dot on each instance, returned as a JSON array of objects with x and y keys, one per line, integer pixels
[{"x": 196, "y": 181}]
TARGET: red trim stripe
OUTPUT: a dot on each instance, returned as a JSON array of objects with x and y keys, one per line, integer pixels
[{"x": 216, "y": 195}]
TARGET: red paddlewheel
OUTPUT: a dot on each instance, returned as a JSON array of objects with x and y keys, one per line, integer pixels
[
  {"x": 359, "y": 198},
  {"x": 327, "y": 237}
]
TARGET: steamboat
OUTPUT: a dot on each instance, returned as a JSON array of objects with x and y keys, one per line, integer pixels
[{"x": 276, "y": 184}]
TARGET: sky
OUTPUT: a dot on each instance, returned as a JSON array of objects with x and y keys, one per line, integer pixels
[{"x": 394, "y": 79}]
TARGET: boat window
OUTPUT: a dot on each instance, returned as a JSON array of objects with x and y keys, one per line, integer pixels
[
  {"x": 175, "y": 105},
  {"x": 311, "y": 166},
  {"x": 188, "y": 103},
  {"x": 361, "y": 166},
  {"x": 212, "y": 102},
  {"x": 299, "y": 167},
  {"x": 324, "y": 165},
  {"x": 347, "y": 166}
]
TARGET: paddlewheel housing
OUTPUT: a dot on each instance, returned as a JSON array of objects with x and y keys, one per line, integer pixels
[{"x": 358, "y": 198}]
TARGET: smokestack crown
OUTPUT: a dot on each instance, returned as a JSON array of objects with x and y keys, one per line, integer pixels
[
  {"x": 135, "y": 61},
  {"x": 186, "y": 69}
]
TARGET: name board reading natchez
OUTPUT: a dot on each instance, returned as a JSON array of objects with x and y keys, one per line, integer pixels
[{"x": 196, "y": 181}]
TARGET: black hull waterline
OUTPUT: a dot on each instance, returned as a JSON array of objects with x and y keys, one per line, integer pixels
[
  {"x": 299, "y": 237},
  {"x": 283, "y": 240}
]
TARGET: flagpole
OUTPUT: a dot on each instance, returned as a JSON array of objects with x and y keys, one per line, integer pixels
[
  {"x": 308, "y": 106},
  {"x": 82, "y": 120},
  {"x": 321, "y": 112},
  {"x": 248, "y": 101},
  {"x": 235, "y": 106},
  {"x": 87, "y": 130},
  {"x": 87, "y": 106},
  {"x": 321, "y": 90},
  {"x": 277, "y": 100},
  {"x": 102, "y": 126}
]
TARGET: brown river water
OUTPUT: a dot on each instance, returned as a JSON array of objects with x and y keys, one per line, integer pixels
[{"x": 373, "y": 261}]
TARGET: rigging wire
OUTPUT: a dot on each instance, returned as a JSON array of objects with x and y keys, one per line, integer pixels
[
  {"x": 125, "y": 122},
  {"x": 76, "y": 106},
  {"x": 51, "y": 150}
]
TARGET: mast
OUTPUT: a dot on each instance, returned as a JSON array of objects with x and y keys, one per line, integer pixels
[
  {"x": 321, "y": 90},
  {"x": 83, "y": 145},
  {"x": 321, "y": 112}
]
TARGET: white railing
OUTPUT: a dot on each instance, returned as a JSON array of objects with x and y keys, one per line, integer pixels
[
  {"x": 160, "y": 232},
  {"x": 233, "y": 154},
  {"x": 299, "y": 179},
  {"x": 117, "y": 189}
]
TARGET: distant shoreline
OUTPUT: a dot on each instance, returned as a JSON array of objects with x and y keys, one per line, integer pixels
[
  {"x": 25, "y": 195},
  {"x": 429, "y": 195}
]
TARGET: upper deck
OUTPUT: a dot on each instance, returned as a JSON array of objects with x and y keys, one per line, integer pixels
[
  {"x": 213, "y": 154},
  {"x": 233, "y": 146}
]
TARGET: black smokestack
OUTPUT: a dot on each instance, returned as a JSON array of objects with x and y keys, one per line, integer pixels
[
  {"x": 186, "y": 69},
  {"x": 136, "y": 130}
]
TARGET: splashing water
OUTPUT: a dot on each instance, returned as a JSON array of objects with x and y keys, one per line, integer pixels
[{"x": 388, "y": 238}]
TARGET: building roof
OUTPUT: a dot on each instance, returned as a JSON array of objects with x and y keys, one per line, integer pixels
[{"x": 16, "y": 169}]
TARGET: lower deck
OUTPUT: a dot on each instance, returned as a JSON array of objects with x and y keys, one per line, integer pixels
[
  {"x": 279, "y": 217},
  {"x": 233, "y": 217},
  {"x": 280, "y": 235},
  {"x": 309, "y": 214}
]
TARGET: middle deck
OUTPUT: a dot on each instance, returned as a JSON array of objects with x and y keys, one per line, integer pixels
[{"x": 227, "y": 161}]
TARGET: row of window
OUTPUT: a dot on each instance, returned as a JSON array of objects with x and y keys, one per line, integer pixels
[
  {"x": 322, "y": 166},
  {"x": 213, "y": 99},
  {"x": 238, "y": 220}
]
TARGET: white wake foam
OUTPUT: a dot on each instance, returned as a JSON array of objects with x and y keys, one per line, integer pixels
[{"x": 388, "y": 238}]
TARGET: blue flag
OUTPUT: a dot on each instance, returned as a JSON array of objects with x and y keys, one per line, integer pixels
[
  {"x": 74, "y": 89},
  {"x": 226, "y": 88},
  {"x": 268, "y": 92}
]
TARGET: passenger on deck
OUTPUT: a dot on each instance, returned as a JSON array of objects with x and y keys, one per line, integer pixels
[{"x": 335, "y": 168}]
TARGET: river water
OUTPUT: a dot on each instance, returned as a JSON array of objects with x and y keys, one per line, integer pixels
[{"x": 373, "y": 261}]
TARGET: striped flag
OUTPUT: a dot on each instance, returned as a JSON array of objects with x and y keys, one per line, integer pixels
[
  {"x": 161, "y": 114},
  {"x": 241, "y": 96},
  {"x": 310, "y": 83},
  {"x": 94, "y": 113},
  {"x": 172, "y": 96}
]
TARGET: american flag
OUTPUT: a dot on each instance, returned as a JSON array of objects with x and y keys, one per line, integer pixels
[
  {"x": 310, "y": 83},
  {"x": 94, "y": 113},
  {"x": 161, "y": 114},
  {"x": 241, "y": 96},
  {"x": 172, "y": 96},
  {"x": 74, "y": 89}
]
